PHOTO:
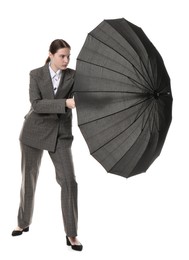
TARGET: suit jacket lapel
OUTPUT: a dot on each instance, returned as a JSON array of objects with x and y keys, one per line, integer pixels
[
  {"x": 47, "y": 82},
  {"x": 65, "y": 85}
]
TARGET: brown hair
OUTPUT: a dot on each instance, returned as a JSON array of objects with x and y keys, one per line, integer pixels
[{"x": 55, "y": 46}]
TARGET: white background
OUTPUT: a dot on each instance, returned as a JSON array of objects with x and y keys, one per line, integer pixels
[{"x": 143, "y": 217}]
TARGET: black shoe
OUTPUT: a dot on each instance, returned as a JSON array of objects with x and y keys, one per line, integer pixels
[
  {"x": 19, "y": 232},
  {"x": 74, "y": 247}
]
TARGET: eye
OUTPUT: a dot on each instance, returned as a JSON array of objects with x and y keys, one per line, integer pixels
[{"x": 63, "y": 56}]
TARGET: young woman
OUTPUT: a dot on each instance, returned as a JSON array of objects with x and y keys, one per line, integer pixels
[{"x": 48, "y": 126}]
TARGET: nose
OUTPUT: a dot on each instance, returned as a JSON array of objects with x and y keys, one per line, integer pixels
[{"x": 66, "y": 59}]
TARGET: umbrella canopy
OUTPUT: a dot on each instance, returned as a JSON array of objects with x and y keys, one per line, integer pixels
[{"x": 123, "y": 97}]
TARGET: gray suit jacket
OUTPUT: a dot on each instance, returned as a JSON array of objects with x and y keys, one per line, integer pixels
[{"x": 48, "y": 112}]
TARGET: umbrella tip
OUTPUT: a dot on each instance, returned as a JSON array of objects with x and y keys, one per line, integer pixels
[{"x": 156, "y": 94}]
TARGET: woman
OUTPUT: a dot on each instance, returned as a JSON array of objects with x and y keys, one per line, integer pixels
[{"x": 48, "y": 126}]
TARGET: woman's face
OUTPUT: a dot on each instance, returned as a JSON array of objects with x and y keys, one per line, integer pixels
[{"x": 60, "y": 59}]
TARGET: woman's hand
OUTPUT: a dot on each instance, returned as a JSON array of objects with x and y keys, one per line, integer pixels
[{"x": 70, "y": 103}]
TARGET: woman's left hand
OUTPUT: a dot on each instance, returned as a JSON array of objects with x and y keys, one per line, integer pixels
[{"x": 70, "y": 103}]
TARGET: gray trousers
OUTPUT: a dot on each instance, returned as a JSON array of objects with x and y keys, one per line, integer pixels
[{"x": 62, "y": 160}]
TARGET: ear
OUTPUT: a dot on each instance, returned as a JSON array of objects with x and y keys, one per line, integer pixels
[{"x": 50, "y": 55}]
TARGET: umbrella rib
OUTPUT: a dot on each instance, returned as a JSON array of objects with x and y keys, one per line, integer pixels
[
  {"x": 137, "y": 138},
  {"x": 127, "y": 60},
  {"x": 154, "y": 124},
  {"x": 109, "y": 91},
  {"x": 143, "y": 128},
  {"x": 113, "y": 71},
  {"x": 148, "y": 115},
  {"x": 123, "y": 131},
  {"x": 115, "y": 112}
]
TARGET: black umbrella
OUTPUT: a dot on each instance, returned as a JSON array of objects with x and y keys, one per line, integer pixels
[{"x": 123, "y": 97}]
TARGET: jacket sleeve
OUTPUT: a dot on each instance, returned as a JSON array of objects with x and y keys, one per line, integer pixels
[{"x": 47, "y": 106}]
